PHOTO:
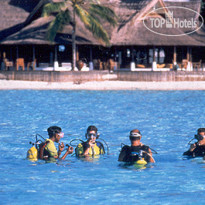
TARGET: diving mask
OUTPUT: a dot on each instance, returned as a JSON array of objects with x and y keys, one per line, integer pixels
[
  {"x": 91, "y": 135},
  {"x": 135, "y": 136},
  {"x": 61, "y": 134},
  {"x": 199, "y": 137}
]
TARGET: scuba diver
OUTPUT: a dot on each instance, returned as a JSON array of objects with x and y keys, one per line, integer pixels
[
  {"x": 137, "y": 152},
  {"x": 198, "y": 148},
  {"x": 47, "y": 150},
  {"x": 91, "y": 147}
]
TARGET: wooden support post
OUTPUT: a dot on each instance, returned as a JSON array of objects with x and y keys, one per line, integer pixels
[
  {"x": 77, "y": 54},
  {"x": 55, "y": 58},
  {"x": 132, "y": 65},
  {"x": 158, "y": 57},
  {"x": 91, "y": 59},
  {"x": 154, "y": 57},
  {"x": 34, "y": 58},
  {"x": 154, "y": 64},
  {"x": 189, "y": 59},
  {"x": 34, "y": 53},
  {"x": 188, "y": 54},
  {"x": 175, "y": 55},
  {"x": 17, "y": 56}
]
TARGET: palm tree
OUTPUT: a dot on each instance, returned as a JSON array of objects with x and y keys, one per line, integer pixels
[{"x": 90, "y": 12}]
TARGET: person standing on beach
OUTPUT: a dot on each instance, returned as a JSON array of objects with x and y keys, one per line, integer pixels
[
  {"x": 197, "y": 149},
  {"x": 91, "y": 147},
  {"x": 133, "y": 153},
  {"x": 48, "y": 151}
]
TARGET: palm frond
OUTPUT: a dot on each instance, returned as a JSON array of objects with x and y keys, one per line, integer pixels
[
  {"x": 58, "y": 23},
  {"x": 98, "y": 31},
  {"x": 83, "y": 14},
  {"x": 92, "y": 24},
  {"x": 50, "y": 8},
  {"x": 104, "y": 12}
]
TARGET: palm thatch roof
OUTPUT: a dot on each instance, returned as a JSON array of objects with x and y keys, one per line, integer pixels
[
  {"x": 134, "y": 32},
  {"x": 35, "y": 34},
  {"x": 185, "y": 10},
  {"x": 13, "y": 14},
  {"x": 130, "y": 29},
  {"x": 193, "y": 5}
]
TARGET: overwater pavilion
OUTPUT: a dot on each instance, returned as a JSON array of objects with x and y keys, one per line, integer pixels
[{"x": 133, "y": 46}]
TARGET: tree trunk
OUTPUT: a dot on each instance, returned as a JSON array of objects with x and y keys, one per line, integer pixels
[{"x": 73, "y": 42}]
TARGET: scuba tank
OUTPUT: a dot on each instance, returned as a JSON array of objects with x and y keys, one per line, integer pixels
[
  {"x": 141, "y": 160},
  {"x": 137, "y": 157},
  {"x": 33, "y": 152}
]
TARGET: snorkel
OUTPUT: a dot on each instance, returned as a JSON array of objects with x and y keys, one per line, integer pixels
[
  {"x": 91, "y": 137},
  {"x": 199, "y": 136}
]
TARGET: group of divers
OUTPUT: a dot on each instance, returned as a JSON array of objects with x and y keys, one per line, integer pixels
[{"x": 136, "y": 154}]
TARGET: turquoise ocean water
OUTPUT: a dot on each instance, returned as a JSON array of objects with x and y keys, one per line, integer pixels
[{"x": 166, "y": 119}]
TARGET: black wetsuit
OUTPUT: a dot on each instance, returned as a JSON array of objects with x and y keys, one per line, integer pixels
[
  {"x": 130, "y": 153},
  {"x": 199, "y": 151}
]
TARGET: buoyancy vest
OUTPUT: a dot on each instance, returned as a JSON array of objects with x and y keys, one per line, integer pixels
[
  {"x": 131, "y": 153},
  {"x": 199, "y": 151},
  {"x": 96, "y": 150}
]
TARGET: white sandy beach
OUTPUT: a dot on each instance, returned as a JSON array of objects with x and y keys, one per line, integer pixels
[{"x": 102, "y": 85}]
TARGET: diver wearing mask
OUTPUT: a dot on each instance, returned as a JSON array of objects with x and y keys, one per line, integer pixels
[
  {"x": 47, "y": 149},
  {"x": 91, "y": 147},
  {"x": 198, "y": 148},
  {"x": 136, "y": 151}
]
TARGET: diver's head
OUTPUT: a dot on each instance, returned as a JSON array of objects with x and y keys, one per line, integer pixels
[
  {"x": 135, "y": 135},
  {"x": 200, "y": 135},
  {"x": 55, "y": 132},
  {"x": 92, "y": 133},
  {"x": 201, "y": 131}
]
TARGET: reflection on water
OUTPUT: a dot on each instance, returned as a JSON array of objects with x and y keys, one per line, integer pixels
[{"x": 167, "y": 121}]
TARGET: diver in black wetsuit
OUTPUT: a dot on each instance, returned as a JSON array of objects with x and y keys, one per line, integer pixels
[
  {"x": 197, "y": 149},
  {"x": 136, "y": 150}
]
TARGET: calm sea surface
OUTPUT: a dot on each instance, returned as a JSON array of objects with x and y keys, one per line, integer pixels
[{"x": 167, "y": 120}]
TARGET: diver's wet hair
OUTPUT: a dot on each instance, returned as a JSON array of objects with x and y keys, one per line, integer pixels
[
  {"x": 92, "y": 128},
  {"x": 53, "y": 130},
  {"x": 200, "y": 130}
]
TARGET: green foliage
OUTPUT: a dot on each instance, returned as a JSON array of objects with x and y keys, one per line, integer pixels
[
  {"x": 90, "y": 12},
  {"x": 93, "y": 24},
  {"x": 51, "y": 8},
  {"x": 62, "y": 18},
  {"x": 104, "y": 12}
]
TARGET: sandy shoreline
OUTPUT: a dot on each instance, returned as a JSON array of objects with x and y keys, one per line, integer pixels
[{"x": 102, "y": 85}]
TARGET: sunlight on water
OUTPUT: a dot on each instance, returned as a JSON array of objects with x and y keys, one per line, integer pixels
[{"x": 167, "y": 120}]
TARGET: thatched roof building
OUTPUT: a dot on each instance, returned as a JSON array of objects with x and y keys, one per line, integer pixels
[
  {"x": 130, "y": 30},
  {"x": 21, "y": 24}
]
